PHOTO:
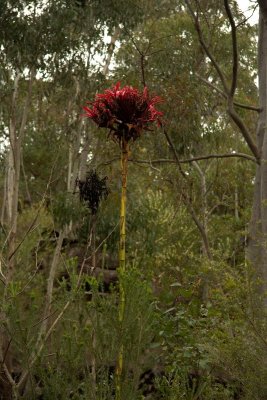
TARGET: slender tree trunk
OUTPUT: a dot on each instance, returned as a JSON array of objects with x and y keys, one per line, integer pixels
[
  {"x": 13, "y": 174},
  {"x": 4, "y": 201},
  {"x": 16, "y": 135},
  {"x": 50, "y": 286},
  {"x": 111, "y": 49},
  {"x": 83, "y": 159},
  {"x": 263, "y": 128},
  {"x": 257, "y": 249},
  {"x": 204, "y": 209}
]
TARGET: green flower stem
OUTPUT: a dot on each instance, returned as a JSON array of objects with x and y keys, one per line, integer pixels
[
  {"x": 124, "y": 170},
  {"x": 122, "y": 257}
]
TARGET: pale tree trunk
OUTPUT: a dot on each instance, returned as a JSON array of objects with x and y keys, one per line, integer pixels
[
  {"x": 9, "y": 215},
  {"x": 257, "y": 249},
  {"x": 111, "y": 48},
  {"x": 49, "y": 290},
  {"x": 82, "y": 168},
  {"x": 4, "y": 201},
  {"x": 13, "y": 173},
  {"x": 16, "y": 135}
]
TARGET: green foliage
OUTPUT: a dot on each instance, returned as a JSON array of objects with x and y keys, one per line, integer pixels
[
  {"x": 66, "y": 207},
  {"x": 193, "y": 321}
]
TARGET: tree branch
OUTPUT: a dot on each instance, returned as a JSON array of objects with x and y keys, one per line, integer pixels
[
  {"x": 245, "y": 132},
  {"x": 170, "y": 142},
  {"x": 221, "y": 92},
  {"x": 228, "y": 91},
  {"x": 192, "y": 159},
  {"x": 233, "y": 114},
  {"x": 205, "y": 47},
  {"x": 234, "y": 49},
  {"x": 184, "y": 161}
]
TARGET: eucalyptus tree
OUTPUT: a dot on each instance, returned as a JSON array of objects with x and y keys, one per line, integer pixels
[
  {"x": 258, "y": 226},
  {"x": 230, "y": 82}
]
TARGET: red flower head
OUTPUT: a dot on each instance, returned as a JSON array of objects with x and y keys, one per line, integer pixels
[{"x": 125, "y": 111}]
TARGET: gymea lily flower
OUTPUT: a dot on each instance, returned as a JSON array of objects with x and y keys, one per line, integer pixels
[{"x": 125, "y": 111}]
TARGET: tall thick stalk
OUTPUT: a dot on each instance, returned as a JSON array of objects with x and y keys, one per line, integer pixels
[
  {"x": 124, "y": 170},
  {"x": 122, "y": 258},
  {"x": 126, "y": 112}
]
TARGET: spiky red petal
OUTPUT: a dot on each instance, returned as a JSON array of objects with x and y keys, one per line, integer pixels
[{"x": 118, "y": 108}]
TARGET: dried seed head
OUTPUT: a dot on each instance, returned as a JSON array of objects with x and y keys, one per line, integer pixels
[{"x": 92, "y": 190}]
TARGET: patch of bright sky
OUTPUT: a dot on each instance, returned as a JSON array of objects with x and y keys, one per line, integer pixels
[{"x": 250, "y": 9}]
